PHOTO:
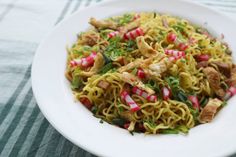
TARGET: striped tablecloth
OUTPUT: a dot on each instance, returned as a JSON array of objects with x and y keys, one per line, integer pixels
[{"x": 23, "y": 23}]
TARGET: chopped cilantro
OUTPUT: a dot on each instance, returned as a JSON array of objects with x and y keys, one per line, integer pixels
[{"x": 131, "y": 45}]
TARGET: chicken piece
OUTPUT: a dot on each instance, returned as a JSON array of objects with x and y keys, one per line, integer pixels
[
  {"x": 232, "y": 80},
  {"x": 157, "y": 68},
  {"x": 120, "y": 60},
  {"x": 130, "y": 66},
  {"x": 224, "y": 68},
  {"x": 103, "y": 84},
  {"x": 214, "y": 80},
  {"x": 144, "y": 64},
  {"x": 98, "y": 64},
  {"x": 202, "y": 64},
  {"x": 90, "y": 38},
  {"x": 144, "y": 48},
  {"x": 101, "y": 24},
  {"x": 134, "y": 81},
  {"x": 233, "y": 76},
  {"x": 209, "y": 111},
  {"x": 129, "y": 27}
]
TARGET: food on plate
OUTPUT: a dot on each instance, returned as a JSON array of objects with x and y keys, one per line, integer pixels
[{"x": 151, "y": 73}]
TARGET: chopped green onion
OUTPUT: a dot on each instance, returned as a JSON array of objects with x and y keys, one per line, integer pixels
[
  {"x": 106, "y": 68},
  {"x": 183, "y": 129},
  {"x": 119, "y": 121},
  {"x": 203, "y": 101},
  {"x": 170, "y": 131},
  {"x": 76, "y": 82},
  {"x": 134, "y": 71}
]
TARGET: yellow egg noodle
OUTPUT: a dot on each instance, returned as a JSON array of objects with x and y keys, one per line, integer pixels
[{"x": 151, "y": 73}]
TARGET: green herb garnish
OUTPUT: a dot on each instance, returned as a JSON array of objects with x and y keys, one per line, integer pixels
[
  {"x": 224, "y": 103},
  {"x": 114, "y": 49},
  {"x": 94, "y": 109},
  {"x": 131, "y": 45}
]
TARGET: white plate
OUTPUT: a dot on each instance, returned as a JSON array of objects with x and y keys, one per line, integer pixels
[{"x": 77, "y": 124}]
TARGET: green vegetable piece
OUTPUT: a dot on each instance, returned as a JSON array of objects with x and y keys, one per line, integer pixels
[
  {"x": 131, "y": 45},
  {"x": 182, "y": 96},
  {"x": 170, "y": 131},
  {"x": 94, "y": 109},
  {"x": 183, "y": 129},
  {"x": 134, "y": 71},
  {"x": 76, "y": 82},
  {"x": 107, "y": 59},
  {"x": 106, "y": 68},
  {"x": 195, "y": 114},
  {"x": 151, "y": 123},
  {"x": 203, "y": 101},
  {"x": 121, "y": 109},
  {"x": 86, "y": 48},
  {"x": 114, "y": 49},
  {"x": 119, "y": 121},
  {"x": 224, "y": 103}
]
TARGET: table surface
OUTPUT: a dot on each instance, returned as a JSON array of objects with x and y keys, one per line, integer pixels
[{"x": 23, "y": 23}]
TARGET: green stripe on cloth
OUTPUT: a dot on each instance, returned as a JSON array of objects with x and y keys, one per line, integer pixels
[
  {"x": 16, "y": 119},
  {"x": 19, "y": 143},
  {"x": 38, "y": 138},
  {"x": 51, "y": 149},
  {"x": 26, "y": 132},
  {"x": 12, "y": 99}
]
